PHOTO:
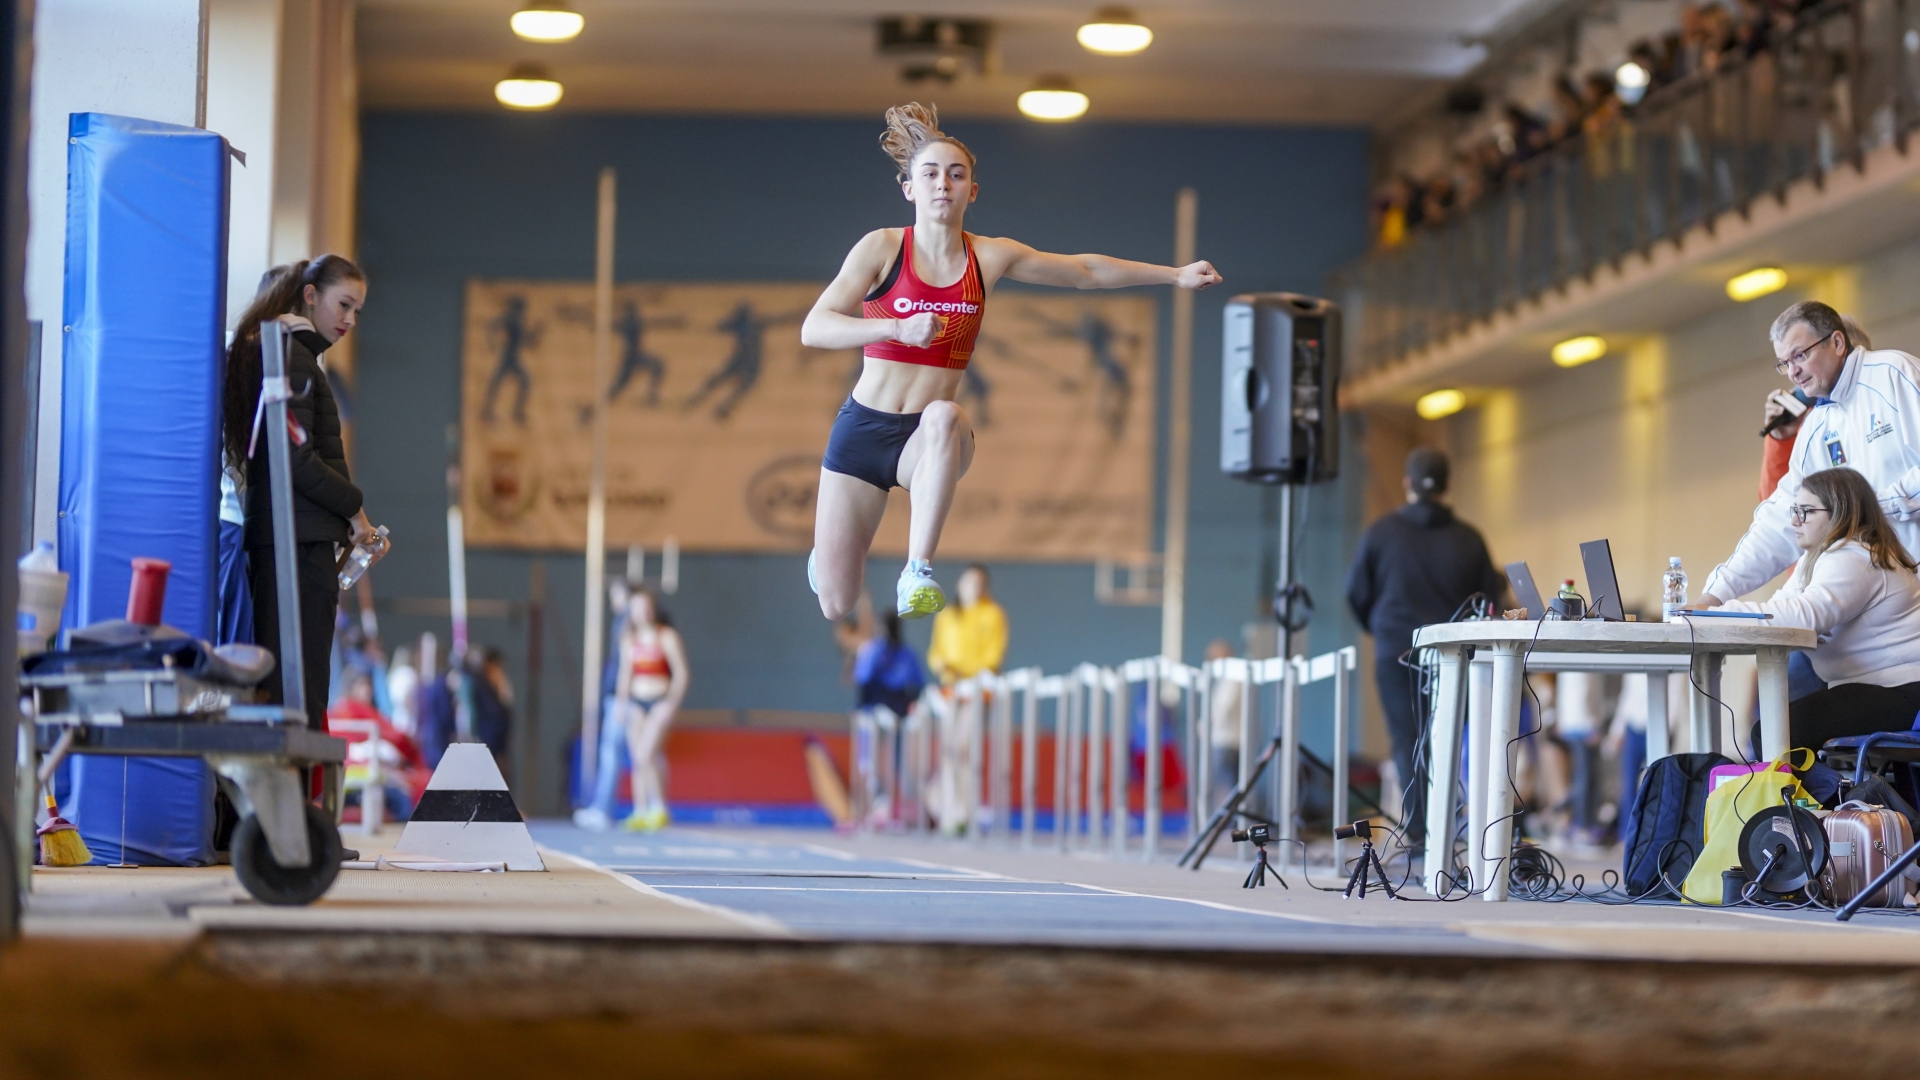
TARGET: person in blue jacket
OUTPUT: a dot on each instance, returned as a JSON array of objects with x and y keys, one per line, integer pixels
[{"x": 887, "y": 671}]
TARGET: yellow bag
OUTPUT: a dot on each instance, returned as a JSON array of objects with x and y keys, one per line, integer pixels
[{"x": 1729, "y": 807}]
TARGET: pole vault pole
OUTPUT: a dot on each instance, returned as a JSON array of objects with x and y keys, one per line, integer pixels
[
  {"x": 1173, "y": 571},
  {"x": 593, "y": 639}
]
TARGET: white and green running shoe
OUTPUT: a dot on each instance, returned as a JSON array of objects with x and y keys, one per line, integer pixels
[{"x": 918, "y": 595}]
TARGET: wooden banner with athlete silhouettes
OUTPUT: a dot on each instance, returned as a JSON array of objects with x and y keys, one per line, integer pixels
[{"x": 718, "y": 416}]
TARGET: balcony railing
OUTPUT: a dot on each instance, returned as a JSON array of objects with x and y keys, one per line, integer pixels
[{"x": 1840, "y": 84}]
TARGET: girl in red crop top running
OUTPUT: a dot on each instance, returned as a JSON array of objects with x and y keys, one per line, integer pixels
[{"x": 912, "y": 299}]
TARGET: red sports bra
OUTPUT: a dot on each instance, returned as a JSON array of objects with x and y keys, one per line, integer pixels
[
  {"x": 648, "y": 658},
  {"x": 903, "y": 294}
]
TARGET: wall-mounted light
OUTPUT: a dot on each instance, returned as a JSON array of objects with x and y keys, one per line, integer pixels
[
  {"x": 1579, "y": 350},
  {"x": 1440, "y": 404},
  {"x": 547, "y": 21},
  {"x": 1755, "y": 284},
  {"x": 1053, "y": 98},
  {"x": 1630, "y": 81},
  {"x": 527, "y": 86},
  {"x": 1114, "y": 31}
]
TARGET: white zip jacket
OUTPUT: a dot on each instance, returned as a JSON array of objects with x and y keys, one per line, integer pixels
[
  {"x": 1871, "y": 424},
  {"x": 1868, "y": 619}
]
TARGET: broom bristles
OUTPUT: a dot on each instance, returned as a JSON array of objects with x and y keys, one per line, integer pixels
[{"x": 61, "y": 845}]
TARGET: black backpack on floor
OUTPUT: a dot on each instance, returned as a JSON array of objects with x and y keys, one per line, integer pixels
[{"x": 1669, "y": 822}]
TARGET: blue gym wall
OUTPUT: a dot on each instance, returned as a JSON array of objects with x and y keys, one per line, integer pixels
[{"x": 448, "y": 197}]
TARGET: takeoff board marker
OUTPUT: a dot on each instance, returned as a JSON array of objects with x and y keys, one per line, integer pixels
[{"x": 468, "y": 815}]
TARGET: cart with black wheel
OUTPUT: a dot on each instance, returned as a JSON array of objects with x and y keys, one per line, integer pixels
[
  {"x": 149, "y": 690},
  {"x": 286, "y": 849}
]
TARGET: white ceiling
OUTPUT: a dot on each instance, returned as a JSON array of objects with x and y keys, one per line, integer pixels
[{"x": 1249, "y": 61}]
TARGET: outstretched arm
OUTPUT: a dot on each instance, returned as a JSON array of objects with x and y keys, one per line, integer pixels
[
  {"x": 835, "y": 321},
  {"x": 1022, "y": 263}
]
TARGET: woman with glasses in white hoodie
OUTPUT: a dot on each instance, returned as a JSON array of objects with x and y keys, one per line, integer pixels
[{"x": 1855, "y": 586}]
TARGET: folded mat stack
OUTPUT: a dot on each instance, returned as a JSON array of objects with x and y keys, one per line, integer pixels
[{"x": 144, "y": 324}]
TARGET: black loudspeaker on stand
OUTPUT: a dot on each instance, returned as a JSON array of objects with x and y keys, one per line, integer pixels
[{"x": 1279, "y": 425}]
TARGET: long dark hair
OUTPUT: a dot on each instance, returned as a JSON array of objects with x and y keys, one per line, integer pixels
[
  {"x": 1853, "y": 513},
  {"x": 283, "y": 293}
]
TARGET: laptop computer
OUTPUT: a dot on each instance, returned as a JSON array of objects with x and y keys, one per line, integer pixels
[
  {"x": 1525, "y": 591},
  {"x": 1603, "y": 587}
]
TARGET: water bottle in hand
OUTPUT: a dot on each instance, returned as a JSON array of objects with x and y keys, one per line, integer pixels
[
  {"x": 361, "y": 557},
  {"x": 1673, "y": 589}
]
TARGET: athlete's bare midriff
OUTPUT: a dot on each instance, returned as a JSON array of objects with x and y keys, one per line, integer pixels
[{"x": 893, "y": 387}]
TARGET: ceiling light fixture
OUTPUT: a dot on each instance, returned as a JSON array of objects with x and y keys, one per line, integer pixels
[
  {"x": 1579, "y": 350},
  {"x": 1440, "y": 404},
  {"x": 1755, "y": 284},
  {"x": 547, "y": 21},
  {"x": 1053, "y": 98},
  {"x": 527, "y": 86},
  {"x": 1114, "y": 31}
]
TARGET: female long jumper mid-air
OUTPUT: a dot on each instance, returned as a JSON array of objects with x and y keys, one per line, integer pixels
[{"x": 901, "y": 426}]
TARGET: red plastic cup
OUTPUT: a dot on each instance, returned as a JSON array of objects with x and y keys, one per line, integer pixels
[{"x": 148, "y": 593}]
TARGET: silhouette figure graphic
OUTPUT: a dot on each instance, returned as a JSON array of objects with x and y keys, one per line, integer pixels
[
  {"x": 742, "y": 368},
  {"x": 634, "y": 357},
  {"x": 1099, "y": 336},
  {"x": 514, "y": 335}
]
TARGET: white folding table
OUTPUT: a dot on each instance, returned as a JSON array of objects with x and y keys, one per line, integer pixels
[{"x": 1513, "y": 647}]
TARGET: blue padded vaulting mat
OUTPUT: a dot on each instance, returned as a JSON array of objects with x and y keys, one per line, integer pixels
[{"x": 141, "y": 362}]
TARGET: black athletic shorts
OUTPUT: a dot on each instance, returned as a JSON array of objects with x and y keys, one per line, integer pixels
[{"x": 866, "y": 443}]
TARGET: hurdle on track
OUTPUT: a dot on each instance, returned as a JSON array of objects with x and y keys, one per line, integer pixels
[{"x": 953, "y": 755}]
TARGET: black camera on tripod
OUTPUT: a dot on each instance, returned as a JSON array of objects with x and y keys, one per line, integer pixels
[
  {"x": 1254, "y": 834},
  {"x": 1362, "y": 829}
]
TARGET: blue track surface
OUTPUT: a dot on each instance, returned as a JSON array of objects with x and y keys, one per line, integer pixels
[{"x": 816, "y": 891}]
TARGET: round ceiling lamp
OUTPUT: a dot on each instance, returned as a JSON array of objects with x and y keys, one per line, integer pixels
[
  {"x": 1114, "y": 31},
  {"x": 527, "y": 86},
  {"x": 1053, "y": 99},
  {"x": 547, "y": 21}
]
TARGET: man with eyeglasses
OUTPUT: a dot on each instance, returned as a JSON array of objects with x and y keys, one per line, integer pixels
[{"x": 1865, "y": 416}]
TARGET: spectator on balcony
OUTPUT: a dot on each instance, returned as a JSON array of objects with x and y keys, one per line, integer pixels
[{"x": 1390, "y": 214}]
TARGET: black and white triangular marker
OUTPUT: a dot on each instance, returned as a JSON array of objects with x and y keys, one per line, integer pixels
[{"x": 468, "y": 815}]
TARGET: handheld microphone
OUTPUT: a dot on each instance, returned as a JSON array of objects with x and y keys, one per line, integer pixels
[{"x": 1792, "y": 407}]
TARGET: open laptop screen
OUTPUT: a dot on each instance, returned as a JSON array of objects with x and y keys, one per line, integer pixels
[
  {"x": 1603, "y": 586},
  {"x": 1524, "y": 590}
]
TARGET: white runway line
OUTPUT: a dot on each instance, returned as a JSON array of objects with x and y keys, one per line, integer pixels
[
  {"x": 896, "y": 892},
  {"x": 758, "y": 923},
  {"x": 739, "y": 871}
]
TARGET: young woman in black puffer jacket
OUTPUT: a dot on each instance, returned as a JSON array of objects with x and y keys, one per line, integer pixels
[{"x": 319, "y": 300}]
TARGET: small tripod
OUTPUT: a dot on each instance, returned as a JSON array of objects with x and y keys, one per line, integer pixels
[
  {"x": 1369, "y": 863},
  {"x": 1259, "y": 835}
]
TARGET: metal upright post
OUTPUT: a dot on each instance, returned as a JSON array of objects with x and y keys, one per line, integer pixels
[
  {"x": 274, "y": 392},
  {"x": 1000, "y": 755},
  {"x": 1344, "y": 662},
  {"x": 593, "y": 637},
  {"x": 1066, "y": 761},
  {"x": 1150, "y": 773},
  {"x": 1286, "y": 813},
  {"x": 1119, "y": 727},
  {"x": 1029, "y": 749},
  {"x": 1099, "y": 713}
]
